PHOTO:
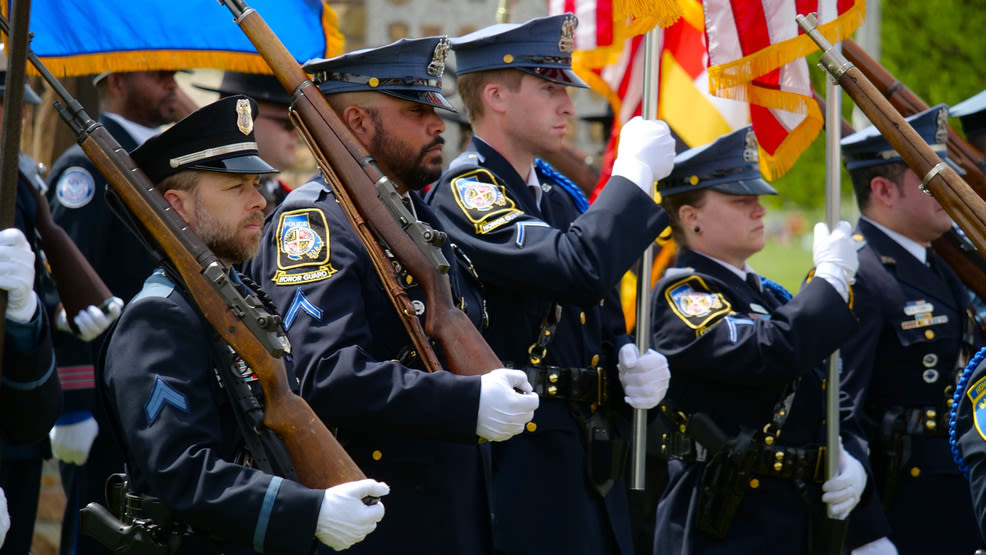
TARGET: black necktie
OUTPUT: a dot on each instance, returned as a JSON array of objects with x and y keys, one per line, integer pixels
[{"x": 754, "y": 281}]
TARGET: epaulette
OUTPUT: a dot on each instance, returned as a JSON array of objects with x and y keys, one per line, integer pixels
[
  {"x": 158, "y": 284},
  {"x": 33, "y": 172},
  {"x": 467, "y": 159},
  {"x": 859, "y": 241}
]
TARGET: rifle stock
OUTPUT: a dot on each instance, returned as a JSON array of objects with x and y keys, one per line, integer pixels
[
  {"x": 354, "y": 177},
  {"x": 965, "y": 207},
  {"x": 318, "y": 458}
]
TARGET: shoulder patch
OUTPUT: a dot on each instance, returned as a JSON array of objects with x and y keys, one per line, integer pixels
[
  {"x": 76, "y": 187},
  {"x": 302, "y": 247},
  {"x": 695, "y": 303},
  {"x": 483, "y": 200},
  {"x": 977, "y": 396}
]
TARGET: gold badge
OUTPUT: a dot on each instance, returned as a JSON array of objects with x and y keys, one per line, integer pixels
[
  {"x": 244, "y": 116},
  {"x": 567, "y": 42},
  {"x": 437, "y": 66}
]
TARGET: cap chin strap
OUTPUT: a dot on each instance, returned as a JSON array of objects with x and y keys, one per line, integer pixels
[{"x": 211, "y": 153}]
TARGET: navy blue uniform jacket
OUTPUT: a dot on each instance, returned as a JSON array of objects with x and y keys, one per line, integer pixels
[
  {"x": 733, "y": 352},
  {"x": 412, "y": 429},
  {"x": 911, "y": 331},
  {"x": 529, "y": 257},
  {"x": 180, "y": 437}
]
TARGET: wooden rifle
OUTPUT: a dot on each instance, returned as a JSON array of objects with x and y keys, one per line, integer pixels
[
  {"x": 963, "y": 204},
  {"x": 319, "y": 460},
  {"x": 968, "y": 263},
  {"x": 373, "y": 207}
]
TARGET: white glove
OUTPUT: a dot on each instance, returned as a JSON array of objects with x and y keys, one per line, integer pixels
[
  {"x": 70, "y": 443},
  {"x": 17, "y": 275},
  {"x": 92, "y": 321},
  {"x": 835, "y": 256},
  {"x": 843, "y": 492},
  {"x": 882, "y": 546},
  {"x": 4, "y": 517},
  {"x": 645, "y": 378},
  {"x": 344, "y": 519},
  {"x": 646, "y": 153},
  {"x": 503, "y": 411}
]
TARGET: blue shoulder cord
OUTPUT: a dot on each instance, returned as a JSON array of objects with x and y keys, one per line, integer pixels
[
  {"x": 953, "y": 441},
  {"x": 777, "y": 289},
  {"x": 565, "y": 183}
]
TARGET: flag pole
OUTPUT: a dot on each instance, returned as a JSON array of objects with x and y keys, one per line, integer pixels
[
  {"x": 833, "y": 174},
  {"x": 648, "y": 111}
]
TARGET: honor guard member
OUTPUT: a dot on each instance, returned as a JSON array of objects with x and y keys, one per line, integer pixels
[
  {"x": 168, "y": 378},
  {"x": 747, "y": 398},
  {"x": 915, "y": 338},
  {"x": 30, "y": 395},
  {"x": 972, "y": 113},
  {"x": 133, "y": 106},
  {"x": 550, "y": 265},
  {"x": 277, "y": 137},
  {"x": 413, "y": 429}
]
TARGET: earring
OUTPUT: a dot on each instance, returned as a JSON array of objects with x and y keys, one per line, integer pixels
[{"x": 696, "y": 229}]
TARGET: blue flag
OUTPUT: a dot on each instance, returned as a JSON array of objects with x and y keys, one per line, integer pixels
[{"x": 82, "y": 37}]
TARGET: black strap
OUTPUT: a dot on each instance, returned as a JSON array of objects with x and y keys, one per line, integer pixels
[{"x": 546, "y": 332}]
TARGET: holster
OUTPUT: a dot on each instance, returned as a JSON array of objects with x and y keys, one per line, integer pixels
[
  {"x": 892, "y": 452},
  {"x": 724, "y": 481},
  {"x": 606, "y": 456}
]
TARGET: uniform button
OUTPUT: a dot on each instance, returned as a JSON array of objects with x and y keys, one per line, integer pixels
[
  {"x": 915, "y": 472},
  {"x": 582, "y": 317},
  {"x": 769, "y": 440},
  {"x": 553, "y": 377},
  {"x": 754, "y": 483},
  {"x": 377, "y": 455},
  {"x": 531, "y": 426},
  {"x": 928, "y": 334},
  {"x": 552, "y": 390},
  {"x": 778, "y": 466},
  {"x": 594, "y": 361}
]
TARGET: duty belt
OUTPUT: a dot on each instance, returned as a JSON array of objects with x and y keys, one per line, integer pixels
[
  {"x": 925, "y": 421},
  {"x": 582, "y": 385},
  {"x": 773, "y": 461}
]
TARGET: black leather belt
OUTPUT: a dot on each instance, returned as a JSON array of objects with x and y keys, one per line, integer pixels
[
  {"x": 583, "y": 385},
  {"x": 925, "y": 421},
  {"x": 794, "y": 463}
]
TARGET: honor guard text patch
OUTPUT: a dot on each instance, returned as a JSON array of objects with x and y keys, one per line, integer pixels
[
  {"x": 483, "y": 201},
  {"x": 694, "y": 303},
  {"x": 302, "y": 248},
  {"x": 977, "y": 396},
  {"x": 75, "y": 187}
]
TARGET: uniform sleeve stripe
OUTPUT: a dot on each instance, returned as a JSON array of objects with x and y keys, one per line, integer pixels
[{"x": 260, "y": 531}]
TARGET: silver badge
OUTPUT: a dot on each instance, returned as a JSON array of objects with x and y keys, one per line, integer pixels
[
  {"x": 750, "y": 154},
  {"x": 244, "y": 116},
  {"x": 941, "y": 133},
  {"x": 930, "y": 360},
  {"x": 567, "y": 42},
  {"x": 437, "y": 66},
  {"x": 930, "y": 375},
  {"x": 419, "y": 307}
]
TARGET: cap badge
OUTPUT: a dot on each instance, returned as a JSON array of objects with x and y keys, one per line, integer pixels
[
  {"x": 750, "y": 149},
  {"x": 567, "y": 42},
  {"x": 941, "y": 133},
  {"x": 244, "y": 117},
  {"x": 437, "y": 66}
]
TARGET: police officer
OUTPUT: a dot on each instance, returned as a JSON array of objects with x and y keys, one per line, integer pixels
[
  {"x": 160, "y": 377},
  {"x": 746, "y": 469},
  {"x": 133, "y": 106},
  {"x": 915, "y": 335},
  {"x": 30, "y": 395},
  {"x": 277, "y": 137},
  {"x": 972, "y": 113},
  {"x": 550, "y": 265},
  {"x": 416, "y": 430}
]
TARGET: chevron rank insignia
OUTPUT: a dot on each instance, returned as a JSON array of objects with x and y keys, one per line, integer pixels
[
  {"x": 483, "y": 201},
  {"x": 695, "y": 303},
  {"x": 163, "y": 394},
  {"x": 302, "y": 248}
]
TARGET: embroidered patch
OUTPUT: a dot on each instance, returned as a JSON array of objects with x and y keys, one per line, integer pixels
[
  {"x": 302, "y": 248},
  {"x": 76, "y": 187},
  {"x": 695, "y": 303},
  {"x": 977, "y": 396},
  {"x": 483, "y": 201},
  {"x": 163, "y": 394}
]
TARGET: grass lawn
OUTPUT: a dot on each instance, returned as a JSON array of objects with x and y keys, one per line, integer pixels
[{"x": 785, "y": 264}]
